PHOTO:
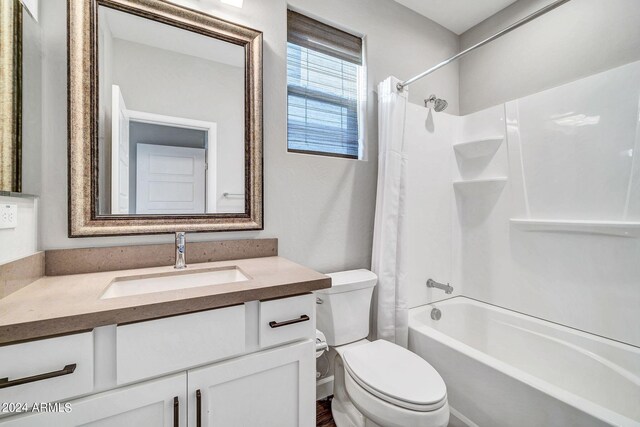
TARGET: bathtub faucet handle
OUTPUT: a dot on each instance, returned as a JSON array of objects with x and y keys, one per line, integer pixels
[{"x": 448, "y": 289}]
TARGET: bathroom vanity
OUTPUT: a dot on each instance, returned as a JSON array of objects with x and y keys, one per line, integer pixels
[{"x": 235, "y": 353}]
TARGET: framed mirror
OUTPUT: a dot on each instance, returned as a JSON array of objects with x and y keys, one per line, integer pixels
[
  {"x": 10, "y": 95},
  {"x": 165, "y": 120}
]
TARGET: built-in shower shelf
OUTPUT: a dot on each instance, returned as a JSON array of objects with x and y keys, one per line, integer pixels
[
  {"x": 480, "y": 185},
  {"x": 612, "y": 228},
  {"x": 479, "y": 147}
]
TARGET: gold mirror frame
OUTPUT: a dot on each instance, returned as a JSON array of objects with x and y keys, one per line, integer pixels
[
  {"x": 84, "y": 220},
  {"x": 11, "y": 96}
]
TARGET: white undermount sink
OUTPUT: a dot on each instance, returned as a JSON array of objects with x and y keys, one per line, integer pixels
[{"x": 181, "y": 279}]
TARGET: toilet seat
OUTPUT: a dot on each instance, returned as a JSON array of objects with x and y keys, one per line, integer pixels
[{"x": 396, "y": 376}]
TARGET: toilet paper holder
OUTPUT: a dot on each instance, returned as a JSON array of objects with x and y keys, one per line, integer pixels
[{"x": 321, "y": 343}]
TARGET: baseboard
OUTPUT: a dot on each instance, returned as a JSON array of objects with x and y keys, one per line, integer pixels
[
  {"x": 324, "y": 387},
  {"x": 456, "y": 419}
]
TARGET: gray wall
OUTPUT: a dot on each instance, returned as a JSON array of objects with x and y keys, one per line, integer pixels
[
  {"x": 105, "y": 71},
  {"x": 31, "y": 104},
  {"x": 579, "y": 38},
  {"x": 320, "y": 208}
]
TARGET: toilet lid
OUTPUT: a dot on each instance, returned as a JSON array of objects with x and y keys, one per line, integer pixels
[{"x": 396, "y": 375}]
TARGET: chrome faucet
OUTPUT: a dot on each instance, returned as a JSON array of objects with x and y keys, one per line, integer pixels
[
  {"x": 181, "y": 246},
  {"x": 433, "y": 284}
]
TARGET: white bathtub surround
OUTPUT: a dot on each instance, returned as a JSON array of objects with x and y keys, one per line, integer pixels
[
  {"x": 553, "y": 242},
  {"x": 503, "y": 368},
  {"x": 430, "y": 201},
  {"x": 598, "y": 139},
  {"x": 389, "y": 261},
  {"x": 533, "y": 205}
]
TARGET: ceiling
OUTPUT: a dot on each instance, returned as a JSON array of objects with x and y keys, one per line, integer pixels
[{"x": 456, "y": 15}]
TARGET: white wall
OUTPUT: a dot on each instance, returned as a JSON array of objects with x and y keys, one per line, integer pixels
[
  {"x": 21, "y": 241},
  {"x": 320, "y": 208},
  {"x": 580, "y": 38}
]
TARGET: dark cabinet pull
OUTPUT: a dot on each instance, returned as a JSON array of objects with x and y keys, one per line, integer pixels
[
  {"x": 275, "y": 324},
  {"x": 176, "y": 412},
  {"x": 198, "y": 408},
  {"x": 4, "y": 382}
]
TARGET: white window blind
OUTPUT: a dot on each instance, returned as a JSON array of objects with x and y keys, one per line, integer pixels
[{"x": 323, "y": 72}]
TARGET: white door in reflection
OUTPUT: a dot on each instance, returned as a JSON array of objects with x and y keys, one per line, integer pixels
[
  {"x": 170, "y": 179},
  {"x": 119, "y": 154}
]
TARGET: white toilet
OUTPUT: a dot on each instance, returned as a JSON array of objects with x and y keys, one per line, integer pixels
[{"x": 375, "y": 383}]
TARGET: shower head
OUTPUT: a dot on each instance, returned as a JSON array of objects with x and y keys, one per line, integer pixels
[
  {"x": 441, "y": 104},
  {"x": 436, "y": 103}
]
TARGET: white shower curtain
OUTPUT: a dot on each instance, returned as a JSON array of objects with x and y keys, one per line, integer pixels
[{"x": 388, "y": 258}]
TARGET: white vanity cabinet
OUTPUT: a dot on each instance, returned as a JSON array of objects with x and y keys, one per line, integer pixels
[
  {"x": 154, "y": 403},
  {"x": 149, "y": 349},
  {"x": 273, "y": 388},
  {"x": 47, "y": 370},
  {"x": 247, "y": 365}
]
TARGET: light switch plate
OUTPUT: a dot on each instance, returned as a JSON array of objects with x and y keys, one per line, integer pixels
[{"x": 8, "y": 216}]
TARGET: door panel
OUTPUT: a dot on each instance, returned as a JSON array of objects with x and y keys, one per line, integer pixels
[
  {"x": 274, "y": 388},
  {"x": 170, "y": 179},
  {"x": 148, "y": 404}
]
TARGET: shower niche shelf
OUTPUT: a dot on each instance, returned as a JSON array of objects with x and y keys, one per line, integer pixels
[
  {"x": 611, "y": 228},
  {"x": 477, "y": 186},
  {"x": 478, "y": 148}
]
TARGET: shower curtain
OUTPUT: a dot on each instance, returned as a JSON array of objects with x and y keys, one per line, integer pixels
[{"x": 388, "y": 258}]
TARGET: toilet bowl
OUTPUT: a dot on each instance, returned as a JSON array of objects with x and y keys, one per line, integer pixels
[{"x": 376, "y": 384}]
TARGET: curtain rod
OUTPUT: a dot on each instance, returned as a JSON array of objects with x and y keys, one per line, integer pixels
[{"x": 499, "y": 34}]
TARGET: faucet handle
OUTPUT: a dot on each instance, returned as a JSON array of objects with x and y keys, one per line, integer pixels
[
  {"x": 180, "y": 237},
  {"x": 180, "y": 250}
]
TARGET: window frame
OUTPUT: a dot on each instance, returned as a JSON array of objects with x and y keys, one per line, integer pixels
[{"x": 358, "y": 106}]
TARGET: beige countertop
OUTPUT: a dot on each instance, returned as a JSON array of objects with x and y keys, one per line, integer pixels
[{"x": 56, "y": 305}]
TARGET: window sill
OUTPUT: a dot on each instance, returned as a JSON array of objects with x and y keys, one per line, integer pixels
[{"x": 321, "y": 153}]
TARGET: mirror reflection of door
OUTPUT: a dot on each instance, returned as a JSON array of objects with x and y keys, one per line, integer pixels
[
  {"x": 159, "y": 164},
  {"x": 178, "y": 93},
  {"x": 119, "y": 154},
  {"x": 170, "y": 179}
]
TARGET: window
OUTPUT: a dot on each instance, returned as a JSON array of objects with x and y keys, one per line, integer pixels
[{"x": 324, "y": 95}]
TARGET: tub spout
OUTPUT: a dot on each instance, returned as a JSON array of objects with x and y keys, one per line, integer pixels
[{"x": 433, "y": 284}]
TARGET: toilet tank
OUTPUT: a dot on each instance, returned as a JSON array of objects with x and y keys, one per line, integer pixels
[{"x": 342, "y": 311}]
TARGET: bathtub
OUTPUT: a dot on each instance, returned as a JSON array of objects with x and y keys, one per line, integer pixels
[{"x": 507, "y": 369}]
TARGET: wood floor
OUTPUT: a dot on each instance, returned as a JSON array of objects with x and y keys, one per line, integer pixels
[{"x": 323, "y": 413}]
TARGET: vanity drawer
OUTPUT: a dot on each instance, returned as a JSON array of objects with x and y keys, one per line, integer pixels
[
  {"x": 47, "y": 370},
  {"x": 287, "y": 319},
  {"x": 156, "y": 347}
]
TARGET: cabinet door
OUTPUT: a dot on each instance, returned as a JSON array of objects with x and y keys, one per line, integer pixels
[
  {"x": 148, "y": 404},
  {"x": 273, "y": 388}
]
